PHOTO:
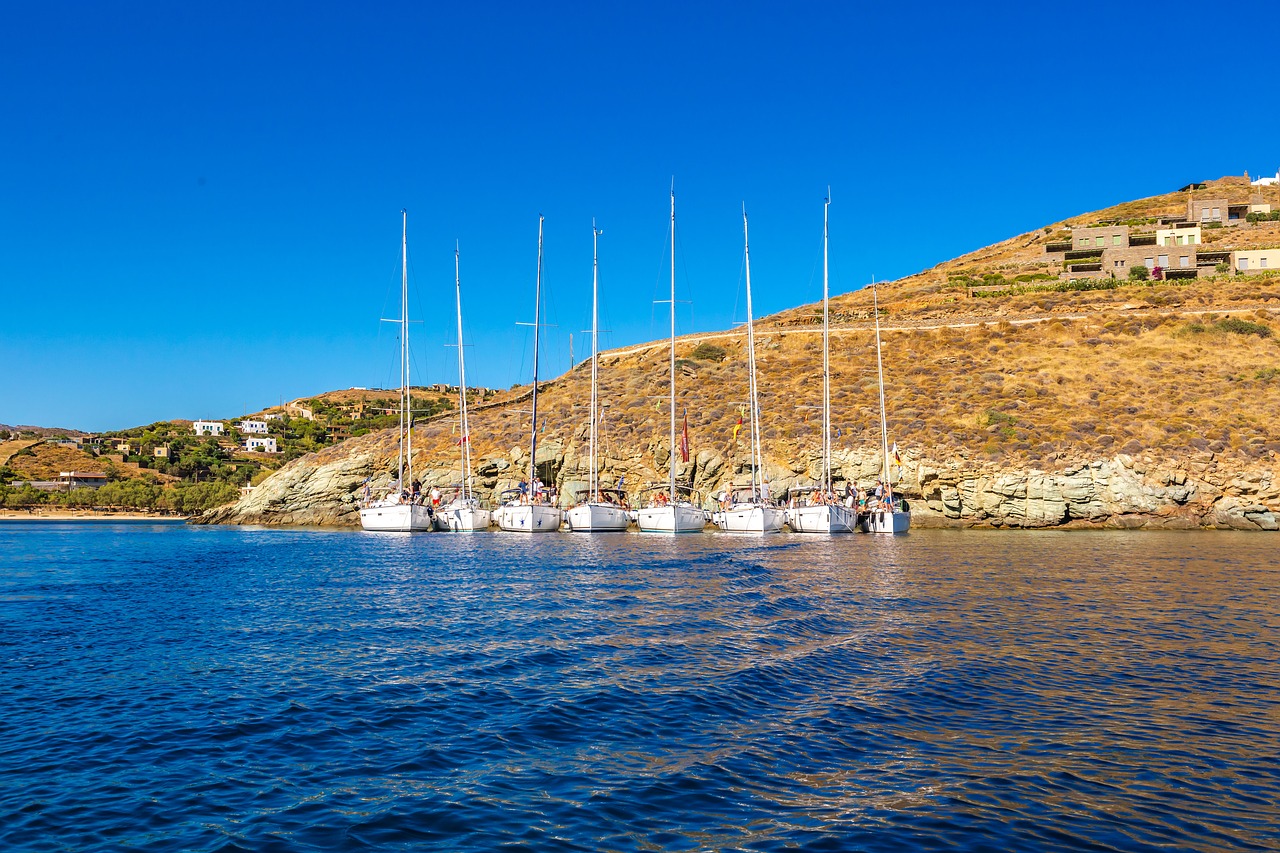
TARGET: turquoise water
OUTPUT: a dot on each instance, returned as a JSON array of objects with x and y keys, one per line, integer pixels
[{"x": 174, "y": 688}]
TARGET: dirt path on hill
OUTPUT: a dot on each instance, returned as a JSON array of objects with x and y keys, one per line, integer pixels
[{"x": 924, "y": 325}]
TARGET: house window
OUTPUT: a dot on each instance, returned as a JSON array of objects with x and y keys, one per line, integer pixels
[
  {"x": 1204, "y": 213},
  {"x": 1184, "y": 261},
  {"x": 1262, "y": 263},
  {"x": 1217, "y": 213},
  {"x": 1243, "y": 264},
  {"x": 1115, "y": 239},
  {"x": 1097, "y": 241},
  {"x": 1150, "y": 262},
  {"x": 1168, "y": 241},
  {"x": 1163, "y": 262}
]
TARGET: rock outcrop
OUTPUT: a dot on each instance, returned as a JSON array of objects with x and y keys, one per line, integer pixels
[{"x": 1121, "y": 491}]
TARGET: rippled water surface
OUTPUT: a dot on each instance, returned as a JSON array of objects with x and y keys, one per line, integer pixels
[{"x": 174, "y": 688}]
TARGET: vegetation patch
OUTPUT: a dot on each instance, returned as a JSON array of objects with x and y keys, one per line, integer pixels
[
  {"x": 1229, "y": 325},
  {"x": 708, "y": 352}
]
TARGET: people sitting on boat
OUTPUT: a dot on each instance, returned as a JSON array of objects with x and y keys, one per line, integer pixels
[
  {"x": 435, "y": 496},
  {"x": 661, "y": 499}
]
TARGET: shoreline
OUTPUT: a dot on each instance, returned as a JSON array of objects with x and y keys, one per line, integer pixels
[{"x": 88, "y": 515}]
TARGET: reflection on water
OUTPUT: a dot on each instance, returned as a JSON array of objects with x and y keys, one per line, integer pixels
[{"x": 196, "y": 688}]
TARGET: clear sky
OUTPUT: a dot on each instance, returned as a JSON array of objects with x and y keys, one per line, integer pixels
[{"x": 200, "y": 202}]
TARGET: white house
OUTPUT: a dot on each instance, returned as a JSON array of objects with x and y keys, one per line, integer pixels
[
  {"x": 207, "y": 427},
  {"x": 261, "y": 445},
  {"x": 1178, "y": 236},
  {"x": 1267, "y": 182},
  {"x": 252, "y": 427},
  {"x": 1255, "y": 260}
]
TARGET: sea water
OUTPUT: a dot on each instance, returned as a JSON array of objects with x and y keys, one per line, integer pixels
[{"x": 167, "y": 687}]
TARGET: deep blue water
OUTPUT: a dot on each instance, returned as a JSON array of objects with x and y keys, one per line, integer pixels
[{"x": 175, "y": 688}]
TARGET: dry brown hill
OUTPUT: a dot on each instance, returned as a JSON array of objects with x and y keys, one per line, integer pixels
[
  {"x": 1026, "y": 378},
  {"x": 1174, "y": 379}
]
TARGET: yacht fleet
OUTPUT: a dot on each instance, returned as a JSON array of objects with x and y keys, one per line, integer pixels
[{"x": 662, "y": 508}]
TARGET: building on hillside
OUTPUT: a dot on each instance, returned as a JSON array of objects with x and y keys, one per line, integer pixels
[
  {"x": 1267, "y": 182},
  {"x": 1255, "y": 260},
  {"x": 248, "y": 427},
  {"x": 1184, "y": 236},
  {"x": 207, "y": 427},
  {"x": 261, "y": 445},
  {"x": 81, "y": 479},
  {"x": 1110, "y": 251},
  {"x": 1099, "y": 237},
  {"x": 161, "y": 451},
  {"x": 294, "y": 410},
  {"x": 274, "y": 416}
]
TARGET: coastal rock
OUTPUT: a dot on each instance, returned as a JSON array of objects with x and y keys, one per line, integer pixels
[{"x": 1124, "y": 491}]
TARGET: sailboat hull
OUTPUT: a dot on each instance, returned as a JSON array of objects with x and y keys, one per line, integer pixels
[
  {"x": 822, "y": 518},
  {"x": 529, "y": 518},
  {"x": 750, "y": 518},
  {"x": 396, "y": 518},
  {"x": 463, "y": 518},
  {"x": 673, "y": 518},
  {"x": 883, "y": 521},
  {"x": 598, "y": 518}
]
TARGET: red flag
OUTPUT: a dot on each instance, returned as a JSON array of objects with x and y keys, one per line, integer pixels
[{"x": 684, "y": 439}]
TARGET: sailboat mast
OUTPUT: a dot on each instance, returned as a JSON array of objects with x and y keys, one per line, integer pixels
[
  {"x": 826, "y": 353},
  {"x": 464, "y": 440},
  {"x": 537, "y": 303},
  {"x": 884, "y": 427},
  {"x": 672, "y": 445},
  {"x": 595, "y": 361},
  {"x": 751, "y": 366},
  {"x": 403, "y": 450}
]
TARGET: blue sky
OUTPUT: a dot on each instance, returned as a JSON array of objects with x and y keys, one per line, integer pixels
[{"x": 200, "y": 203}]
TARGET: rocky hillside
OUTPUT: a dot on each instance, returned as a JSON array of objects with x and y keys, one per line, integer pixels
[{"x": 1136, "y": 404}]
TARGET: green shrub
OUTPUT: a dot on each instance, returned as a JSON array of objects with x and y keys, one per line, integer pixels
[
  {"x": 1236, "y": 326},
  {"x": 1139, "y": 272},
  {"x": 708, "y": 352}
]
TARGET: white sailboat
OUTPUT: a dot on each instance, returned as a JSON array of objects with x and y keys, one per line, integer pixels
[
  {"x": 751, "y": 510},
  {"x": 674, "y": 510},
  {"x": 820, "y": 511},
  {"x": 399, "y": 511},
  {"x": 891, "y": 515},
  {"x": 465, "y": 513},
  {"x": 597, "y": 510},
  {"x": 526, "y": 510}
]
